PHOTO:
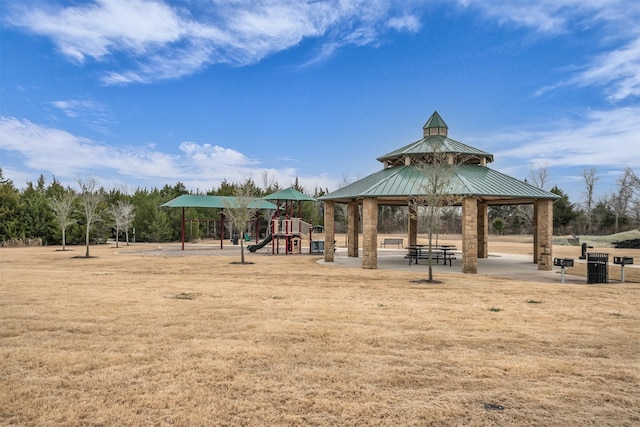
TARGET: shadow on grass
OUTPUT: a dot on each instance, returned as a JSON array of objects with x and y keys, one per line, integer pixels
[{"x": 427, "y": 282}]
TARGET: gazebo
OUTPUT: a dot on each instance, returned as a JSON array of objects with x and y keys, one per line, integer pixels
[{"x": 473, "y": 186}]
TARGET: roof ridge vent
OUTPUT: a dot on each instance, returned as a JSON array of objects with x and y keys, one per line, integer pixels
[{"x": 435, "y": 126}]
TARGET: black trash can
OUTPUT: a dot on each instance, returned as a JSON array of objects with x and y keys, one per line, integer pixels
[
  {"x": 597, "y": 268},
  {"x": 317, "y": 246}
]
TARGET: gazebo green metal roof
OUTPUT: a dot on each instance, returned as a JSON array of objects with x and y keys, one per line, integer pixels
[
  {"x": 402, "y": 182},
  {"x": 199, "y": 201},
  {"x": 406, "y": 170},
  {"x": 289, "y": 194},
  {"x": 426, "y": 146},
  {"x": 435, "y": 121}
]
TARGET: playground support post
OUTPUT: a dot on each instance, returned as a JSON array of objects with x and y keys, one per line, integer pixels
[{"x": 182, "y": 228}]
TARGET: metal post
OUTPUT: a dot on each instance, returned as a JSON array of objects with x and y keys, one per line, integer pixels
[
  {"x": 221, "y": 229},
  {"x": 622, "y": 272},
  {"x": 183, "y": 228},
  {"x": 562, "y": 273}
]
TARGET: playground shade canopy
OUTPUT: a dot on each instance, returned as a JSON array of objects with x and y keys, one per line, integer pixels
[
  {"x": 221, "y": 202},
  {"x": 289, "y": 194}
]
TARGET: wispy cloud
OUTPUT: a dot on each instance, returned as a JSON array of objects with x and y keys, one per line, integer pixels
[
  {"x": 92, "y": 113},
  {"x": 170, "y": 42},
  {"x": 558, "y": 16},
  {"x": 64, "y": 155},
  {"x": 618, "y": 70},
  {"x": 406, "y": 22},
  {"x": 615, "y": 63},
  {"x": 599, "y": 138}
]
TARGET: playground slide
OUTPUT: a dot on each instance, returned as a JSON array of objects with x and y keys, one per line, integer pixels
[{"x": 253, "y": 248}]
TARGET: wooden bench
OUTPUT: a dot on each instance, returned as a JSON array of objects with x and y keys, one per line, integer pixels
[{"x": 392, "y": 241}]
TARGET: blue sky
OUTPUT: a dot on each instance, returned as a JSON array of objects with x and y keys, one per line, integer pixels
[{"x": 141, "y": 93}]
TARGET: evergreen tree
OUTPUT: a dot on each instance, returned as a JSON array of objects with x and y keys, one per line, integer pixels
[
  {"x": 564, "y": 213},
  {"x": 38, "y": 219},
  {"x": 11, "y": 227}
]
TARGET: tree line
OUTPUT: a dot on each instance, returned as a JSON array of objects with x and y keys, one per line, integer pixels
[
  {"x": 48, "y": 213},
  {"x": 51, "y": 214}
]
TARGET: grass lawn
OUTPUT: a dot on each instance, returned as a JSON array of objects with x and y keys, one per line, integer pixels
[{"x": 126, "y": 339}]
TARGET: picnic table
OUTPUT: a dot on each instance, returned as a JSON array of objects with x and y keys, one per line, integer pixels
[{"x": 438, "y": 252}]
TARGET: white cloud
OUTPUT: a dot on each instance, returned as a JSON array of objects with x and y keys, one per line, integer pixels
[
  {"x": 96, "y": 29},
  {"x": 599, "y": 138},
  {"x": 170, "y": 42},
  {"x": 617, "y": 67},
  {"x": 407, "y": 22},
  {"x": 66, "y": 156},
  {"x": 94, "y": 114},
  {"x": 558, "y": 16},
  {"x": 606, "y": 140}
]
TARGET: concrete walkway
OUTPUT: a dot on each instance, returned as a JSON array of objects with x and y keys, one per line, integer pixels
[{"x": 520, "y": 267}]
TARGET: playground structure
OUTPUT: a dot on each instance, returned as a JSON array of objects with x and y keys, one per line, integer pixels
[
  {"x": 287, "y": 232},
  {"x": 286, "y": 229},
  {"x": 283, "y": 231}
]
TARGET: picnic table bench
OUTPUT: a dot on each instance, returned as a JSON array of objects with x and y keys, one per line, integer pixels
[
  {"x": 417, "y": 252},
  {"x": 392, "y": 241}
]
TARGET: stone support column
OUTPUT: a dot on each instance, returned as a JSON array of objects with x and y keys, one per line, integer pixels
[
  {"x": 470, "y": 235},
  {"x": 412, "y": 229},
  {"x": 544, "y": 233},
  {"x": 353, "y": 225},
  {"x": 329, "y": 230},
  {"x": 370, "y": 233},
  {"x": 535, "y": 233},
  {"x": 483, "y": 230}
]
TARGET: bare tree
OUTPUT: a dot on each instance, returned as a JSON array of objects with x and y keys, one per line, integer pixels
[
  {"x": 590, "y": 179},
  {"x": 241, "y": 210},
  {"x": 540, "y": 176},
  {"x": 122, "y": 214},
  {"x": 634, "y": 181},
  {"x": 90, "y": 196},
  {"x": 341, "y": 210},
  {"x": 62, "y": 207},
  {"x": 620, "y": 200},
  {"x": 437, "y": 176},
  {"x": 269, "y": 182}
]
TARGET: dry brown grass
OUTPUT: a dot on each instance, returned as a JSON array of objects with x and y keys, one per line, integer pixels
[{"x": 123, "y": 339}]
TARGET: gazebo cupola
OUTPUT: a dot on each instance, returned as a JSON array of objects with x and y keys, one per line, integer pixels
[
  {"x": 435, "y": 126},
  {"x": 434, "y": 138}
]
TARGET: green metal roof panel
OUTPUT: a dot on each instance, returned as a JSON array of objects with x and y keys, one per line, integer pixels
[
  {"x": 289, "y": 194},
  {"x": 426, "y": 144},
  {"x": 469, "y": 180},
  {"x": 435, "y": 121},
  {"x": 482, "y": 181},
  {"x": 198, "y": 201}
]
